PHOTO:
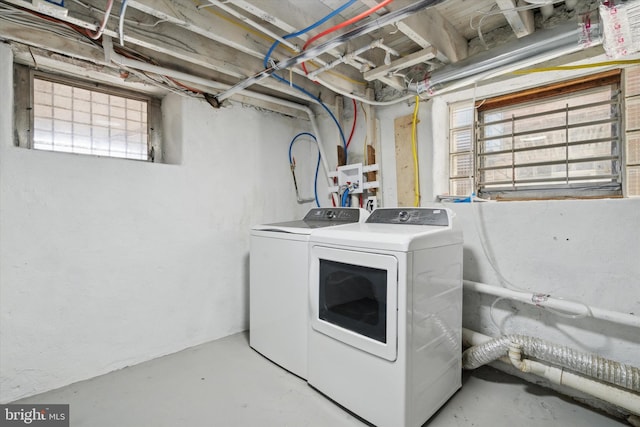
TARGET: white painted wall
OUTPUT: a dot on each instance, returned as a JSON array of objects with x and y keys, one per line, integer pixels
[
  {"x": 584, "y": 250},
  {"x": 105, "y": 263}
]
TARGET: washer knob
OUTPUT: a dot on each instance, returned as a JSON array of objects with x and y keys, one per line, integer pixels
[{"x": 403, "y": 216}]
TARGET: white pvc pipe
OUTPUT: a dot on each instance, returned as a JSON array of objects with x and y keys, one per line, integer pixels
[
  {"x": 614, "y": 395},
  {"x": 554, "y": 303},
  {"x": 112, "y": 56},
  {"x": 231, "y": 11}
]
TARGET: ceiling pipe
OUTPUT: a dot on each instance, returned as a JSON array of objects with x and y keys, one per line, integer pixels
[
  {"x": 231, "y": 11},
  {"x": 561, "y": 39},
  {"x": 312, "y": 53},
  {"x": 259, "y": 13},
  {"x": 541, "y": 46},
  {"x": 112, "y": 56},
  {"x": 548, "y": 301},
  {"x": 346, "y": 57}
]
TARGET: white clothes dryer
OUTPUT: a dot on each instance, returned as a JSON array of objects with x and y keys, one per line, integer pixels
[
  {"x": 386, "y": 315},
  {"x": 278, "y": 285}
]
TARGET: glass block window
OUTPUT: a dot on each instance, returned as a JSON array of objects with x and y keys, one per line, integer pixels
[{"x": 77, "y": 119}]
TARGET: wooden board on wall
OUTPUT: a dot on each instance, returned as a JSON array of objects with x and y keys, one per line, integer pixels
[{"x": 404, "y": 161}]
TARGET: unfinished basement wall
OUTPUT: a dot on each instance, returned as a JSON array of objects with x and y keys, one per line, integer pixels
[
  {"x": 582, "y": 250},
  {"x": 105, "y": 263}
]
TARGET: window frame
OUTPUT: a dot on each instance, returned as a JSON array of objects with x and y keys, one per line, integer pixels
[
  {"x": 540, "y": 191},
  {"x": 24, "y": 109}
]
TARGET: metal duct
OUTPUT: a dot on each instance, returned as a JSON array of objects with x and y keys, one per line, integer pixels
[
  {"x": 589, "y": 364},
  {"x": 388, "y": 19},
  {"x": 540, "y": 46},
  {"x": 561, "y": 38}
]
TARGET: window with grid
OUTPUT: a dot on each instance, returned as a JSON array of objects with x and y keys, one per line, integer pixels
[
  {"x": 78, "y": 120},
  {"x": 632, "y": 137},
  {"x": 56, "y": 113},
  {"x": 560, "y": 140},
  {"x": 461, "y": 119}
]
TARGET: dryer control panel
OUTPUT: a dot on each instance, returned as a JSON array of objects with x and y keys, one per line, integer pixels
[
  {"x": 333, "y": 214},
  {"x": 413, "y": 216}
]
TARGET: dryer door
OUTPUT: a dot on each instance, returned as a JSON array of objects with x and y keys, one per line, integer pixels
[{"x": 354, "y": 298}]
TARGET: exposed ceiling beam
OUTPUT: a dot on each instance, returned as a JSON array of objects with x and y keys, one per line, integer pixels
[
  {"x": 395, "y": 82},
  {"x": 269, "y": 11},
  {"x": 399, "y": 64},
  {"x": 215, "y": 26},
  {"x": 429, "y": 28},
  {"x": 226, "y": 64},
  {"x": 520, "y": 21}
]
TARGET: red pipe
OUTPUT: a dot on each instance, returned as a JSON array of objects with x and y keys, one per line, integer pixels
[{"x": 342, "y": 25}]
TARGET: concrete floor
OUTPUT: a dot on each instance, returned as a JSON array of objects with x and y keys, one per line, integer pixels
[{"x": 225, "y": 383}]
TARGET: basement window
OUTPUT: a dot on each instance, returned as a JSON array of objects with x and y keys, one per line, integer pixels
[
  {"x": 65, "y": 115},
  {"x": 558, "y": 141}
]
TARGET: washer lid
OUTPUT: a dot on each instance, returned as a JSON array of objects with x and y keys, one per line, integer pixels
[
  {"x": 388, "y": 231},
  {"x": 411, "y": 216},
  {"x": 317, "y": 218}
]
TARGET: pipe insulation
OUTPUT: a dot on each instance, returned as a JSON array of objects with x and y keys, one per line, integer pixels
[
  {"x": 617, "y": 396},
  {"x": 549, "y": 43},
  {"x": 589, "y": 364},
  {"x": 540, "y": 46},
  {"x": 388, "y": 19}
]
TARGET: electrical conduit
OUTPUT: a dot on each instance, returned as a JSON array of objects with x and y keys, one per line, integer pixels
[
  {"x": 414, "y": 149},
  {"x": 112, "y": 56}
]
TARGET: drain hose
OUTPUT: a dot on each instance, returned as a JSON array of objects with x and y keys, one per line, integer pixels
[{"x": 588, "y": 364}]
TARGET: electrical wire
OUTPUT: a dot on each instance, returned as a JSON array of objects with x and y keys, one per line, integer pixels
[
  {"x": 97, "y": 34},
  {"x": 579, "y": 67},
  {"x": 130, "y": 21},
  {"x": 59, "y": 28},
  {"x": 123, "y": 10},
  {"x": 355, "y": 119},
  {"x": 322, "y": 104},
  {"x": 495, "y": 11},
  {"x": 414, "y": 147},
  {"x": 270, "y": 39},
  {"x": 342, "y": 25},
  {"x": 491, "y": 316},
  {"x": 292, "y": 162},
  {"x": 303, "y": 90}
]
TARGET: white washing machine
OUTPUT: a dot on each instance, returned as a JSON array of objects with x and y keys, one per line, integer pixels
[
  {"x": 279, "y": 282},
  {"x": 386, "y": 315}
]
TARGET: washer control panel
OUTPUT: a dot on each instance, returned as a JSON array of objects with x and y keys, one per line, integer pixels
[
  {"x": 413, "y": 216},
  {"x": 333, "y": 214}
]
